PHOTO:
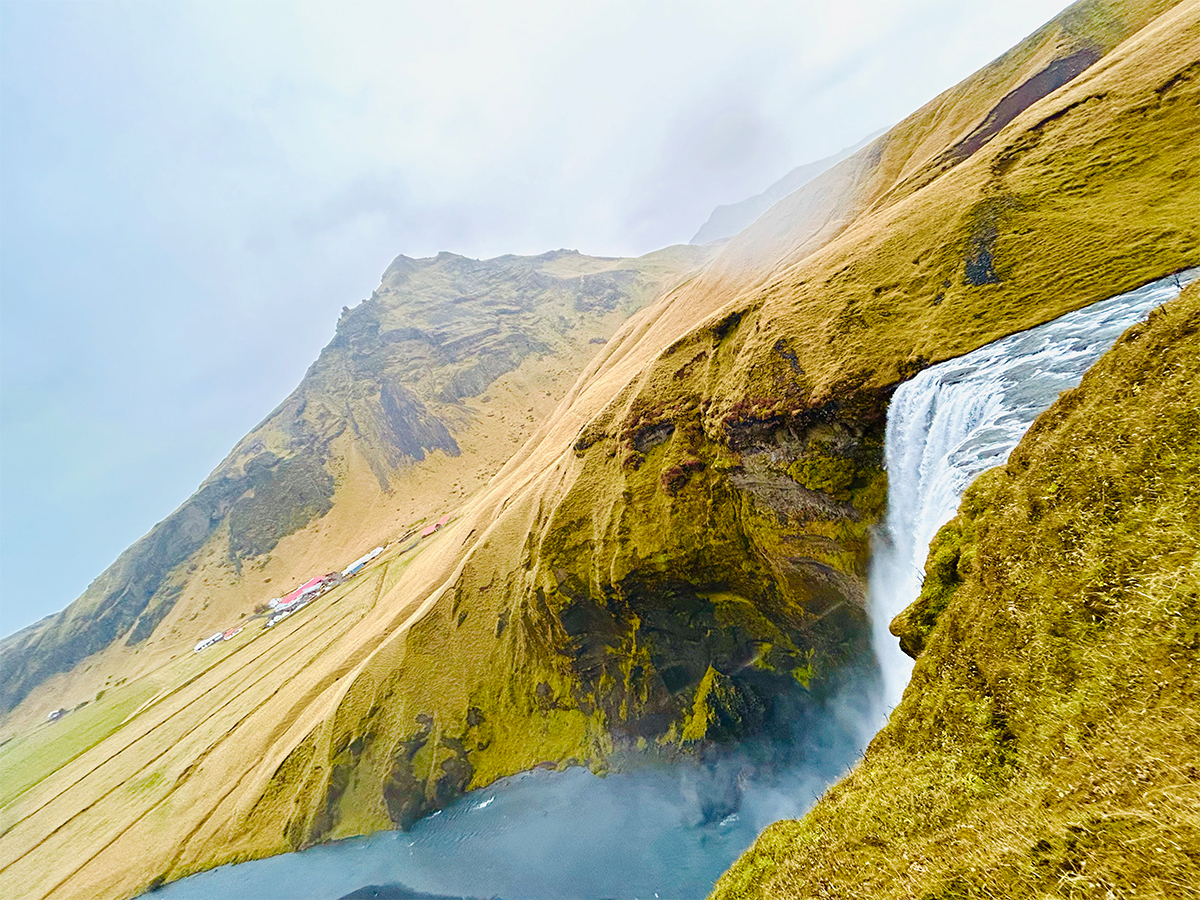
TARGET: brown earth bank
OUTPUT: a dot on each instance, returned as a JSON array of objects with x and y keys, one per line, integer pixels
[{"x": 687, "y": 531}]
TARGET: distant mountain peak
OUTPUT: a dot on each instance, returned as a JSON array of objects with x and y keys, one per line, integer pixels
[{"x": 728, "y": 220}]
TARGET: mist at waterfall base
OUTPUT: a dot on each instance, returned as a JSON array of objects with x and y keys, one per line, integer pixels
[
  {"x": 660, "y": 830},
  {"x": 670, "y": 831}
]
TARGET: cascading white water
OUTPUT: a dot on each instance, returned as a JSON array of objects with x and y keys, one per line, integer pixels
[
  {"x": 960, "y": 417},
  {"x": 555, "y": 834}
]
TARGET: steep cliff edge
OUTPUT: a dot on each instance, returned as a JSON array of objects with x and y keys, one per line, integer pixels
[
  {"x": 687, "y": 532},
  {"x": 1046, "y": 743},
  {"x": 709, "y": 522}
]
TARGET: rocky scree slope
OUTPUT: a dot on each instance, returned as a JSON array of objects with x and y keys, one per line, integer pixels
[{"x": 1046, "y": 743}]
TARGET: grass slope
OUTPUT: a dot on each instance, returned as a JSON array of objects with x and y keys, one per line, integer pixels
[
  {"x": 425, "y": 391},
  {"x": 695, "y": 503},
  {"x": 1046, "y": 745}
]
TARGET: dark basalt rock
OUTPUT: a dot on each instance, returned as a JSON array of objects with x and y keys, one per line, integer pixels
[
  {"x": 281, "y": 497},
  {"x": 650, "y": 436},
  {"x": 342, "y": 765},
  {"x": 980, "y": 269},
  {"x": 683, "y": 635},
  {"x": 409, "y": 796}
]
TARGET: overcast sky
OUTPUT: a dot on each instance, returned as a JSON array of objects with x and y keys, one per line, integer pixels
[{"x": 189, "y": 193}]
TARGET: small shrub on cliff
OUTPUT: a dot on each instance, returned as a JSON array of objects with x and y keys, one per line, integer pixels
[{"x": 830, "y": 475}]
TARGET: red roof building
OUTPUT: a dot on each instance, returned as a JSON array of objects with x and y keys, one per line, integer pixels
[
  {"x": 440, "y": 523},
  {"x": 300, "y": 591}
]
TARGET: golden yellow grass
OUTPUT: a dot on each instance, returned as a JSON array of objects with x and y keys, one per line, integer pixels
[{"x": 229, "y": 764}]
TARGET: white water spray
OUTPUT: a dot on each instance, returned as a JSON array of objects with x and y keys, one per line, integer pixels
[
  {"x": 960, "y": 417},
  {"x": 555, "y": 834}
]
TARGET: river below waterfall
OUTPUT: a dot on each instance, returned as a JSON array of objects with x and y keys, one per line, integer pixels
[
  {"x": 669, "y": 832},
  {"x": 660, "y": 831}
]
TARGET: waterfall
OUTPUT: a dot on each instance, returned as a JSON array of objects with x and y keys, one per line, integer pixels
[
  {"x": 960, "y": 417},
  {"x": 553, "y": 834}
]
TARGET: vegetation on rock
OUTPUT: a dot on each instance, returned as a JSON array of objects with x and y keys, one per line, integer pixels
[
  {"x": 773, "y": 408},
  {"x": 1046, "y": 743}
]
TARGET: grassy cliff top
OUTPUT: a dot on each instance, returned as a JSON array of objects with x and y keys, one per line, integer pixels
[
  {"x": 1087, "y": 192},
  {"x": 1046, "y": 743}
]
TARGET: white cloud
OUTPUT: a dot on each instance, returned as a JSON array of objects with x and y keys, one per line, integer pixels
[{"x": 192, "y": 191}]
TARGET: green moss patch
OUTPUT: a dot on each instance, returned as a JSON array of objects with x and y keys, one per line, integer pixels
[{"x": 1046, "y": 743}]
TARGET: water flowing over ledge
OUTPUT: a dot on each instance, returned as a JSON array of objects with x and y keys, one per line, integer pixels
[
  {"x": 669, "y": 832},
  {"x": 960, "y": 417}
]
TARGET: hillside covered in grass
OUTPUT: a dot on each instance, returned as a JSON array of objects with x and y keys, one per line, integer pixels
[
  {"x": 671, "y": 545},
  {"x": 390, "y": 426},
  {"x": 1046, "y": 745}
]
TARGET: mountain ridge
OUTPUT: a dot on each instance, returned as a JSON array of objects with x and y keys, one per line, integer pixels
[
  {"x": 277, "y": 480},
  {"x": 729, "y": 219},
  {"x": 720, "y": 455}
]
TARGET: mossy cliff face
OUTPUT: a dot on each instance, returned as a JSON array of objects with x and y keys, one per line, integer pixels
[
  {"x": 703, "y": 540},
  {"x": 711, "y": 589},
  {"x": 681, "y": 545},
  {"x": 1046, "y": 743}
]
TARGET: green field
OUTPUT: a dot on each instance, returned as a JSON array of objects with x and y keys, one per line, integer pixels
[{"x": 30, "y": 757}]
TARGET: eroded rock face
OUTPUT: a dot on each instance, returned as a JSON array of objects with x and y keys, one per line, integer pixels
[
  {"x": 1057, "y": 72},
  {"x": 700, "y": 580},
  {"x": 698, "y": 585},
  {"x": 271, "y": 498}
]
